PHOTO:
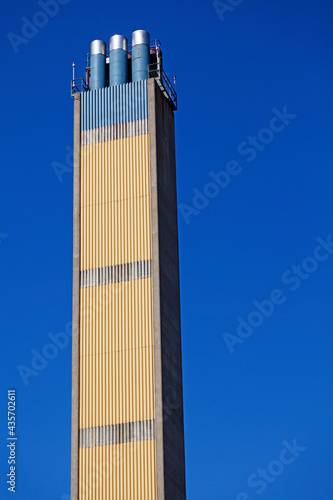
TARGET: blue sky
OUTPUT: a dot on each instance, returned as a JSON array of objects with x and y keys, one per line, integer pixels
[{"x": 255, "y": 225}]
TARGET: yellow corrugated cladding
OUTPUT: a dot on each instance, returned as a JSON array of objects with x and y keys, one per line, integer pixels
[
  {"x": 116, "y": 354},
  {"x": 116, "y": 334},
  {"x": 115, "y": 202},
  {"x": 117, "y": 387},
  {"x": 118, "y": 472}
]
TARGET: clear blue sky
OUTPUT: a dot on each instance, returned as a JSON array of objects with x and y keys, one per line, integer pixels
[{"x": 247, "y": 395}]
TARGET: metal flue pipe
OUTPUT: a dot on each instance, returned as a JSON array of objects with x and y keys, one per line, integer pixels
[
  {"x": 140, "y": 55},
  {"x": 97, "y": 64},
  {"x": 118, "y": 60}
]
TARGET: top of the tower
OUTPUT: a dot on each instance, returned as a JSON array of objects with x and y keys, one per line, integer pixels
[{"x": 123, "y": 63}]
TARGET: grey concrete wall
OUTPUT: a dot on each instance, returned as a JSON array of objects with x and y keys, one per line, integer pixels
[
  {"x": 76, "y": 301},
  {"x": 155, "y": 270},
  {"x": 166, "y": 299}
]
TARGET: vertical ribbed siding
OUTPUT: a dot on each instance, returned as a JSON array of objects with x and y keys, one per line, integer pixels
[
  {"x": 113, "y": 132},
  {"x": 117, "y": 382},
  {"x": 118, "y": 472},
  {"x": 116, "y": 349},
  {"x": 115, "y": 194},
  {"x": 129, "y": 432},
  {"x": 114, "y": 105},
  {"x": 115, "y": 274}
]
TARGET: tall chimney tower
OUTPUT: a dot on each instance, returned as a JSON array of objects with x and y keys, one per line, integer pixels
[{"x": 127, "y": 397}]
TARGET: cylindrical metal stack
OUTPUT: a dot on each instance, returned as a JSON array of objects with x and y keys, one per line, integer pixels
[
  {"x": 118, "y": 66},
  {"x": 97, "y": 64},
  {"x": 140, "y": 55},
  {"x": 119, "y": 62}
]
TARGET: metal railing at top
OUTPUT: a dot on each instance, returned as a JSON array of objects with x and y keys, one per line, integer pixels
[
  {"x": 78, "y": 85},
  {"x": 164, "y": 83},
  {"x": 154, "y": 70},
  {"x": 153, "y": 43}
]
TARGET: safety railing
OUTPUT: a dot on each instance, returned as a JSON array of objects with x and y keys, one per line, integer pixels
[
  {"x": 78, "y": 85},
  {"x": 155, "y": 71}
]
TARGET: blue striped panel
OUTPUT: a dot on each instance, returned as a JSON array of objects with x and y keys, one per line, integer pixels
[{"x": 114, "y": 105}]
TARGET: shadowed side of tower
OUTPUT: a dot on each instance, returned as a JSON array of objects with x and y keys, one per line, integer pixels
[{"x": 169, "y": 391}]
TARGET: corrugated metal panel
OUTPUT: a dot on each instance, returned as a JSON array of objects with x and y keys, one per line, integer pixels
[
  {"x": 116, "y": 338},
  {"x": 118, "y": 387},
  {"x": 115, "y": 203},
  {"x": 118, "y": 472},
  {"x": 128, "y": 241},
  {"x": 114, "y": 105},
  {"x": 117, "y": 434},
  {"x": 116, "y": 354},
  {"x": 113, "y": 132},
  {"x": 115, "y": 274},
  {"x": 115, "y": 170}
]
